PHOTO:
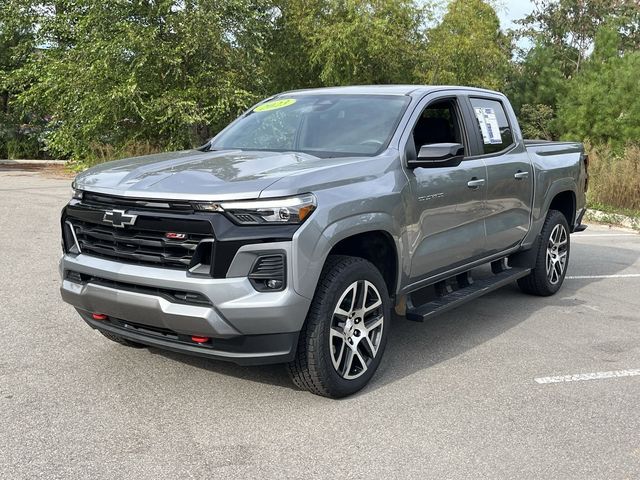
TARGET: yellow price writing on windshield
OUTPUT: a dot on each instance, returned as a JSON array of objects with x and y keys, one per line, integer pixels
[{"x": 275, "y": 104}]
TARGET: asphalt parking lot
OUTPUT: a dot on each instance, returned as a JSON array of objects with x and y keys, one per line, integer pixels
[{"x": 509, "y": 386}]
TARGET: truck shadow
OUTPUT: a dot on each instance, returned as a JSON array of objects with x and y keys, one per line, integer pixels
[{"x": 413, "y": 347}]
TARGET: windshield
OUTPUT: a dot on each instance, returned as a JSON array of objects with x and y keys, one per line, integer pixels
[{"x": 321, "y": 125}]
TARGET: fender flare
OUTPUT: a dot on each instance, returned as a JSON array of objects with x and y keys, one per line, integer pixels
[{"x": 344, "y": 228}]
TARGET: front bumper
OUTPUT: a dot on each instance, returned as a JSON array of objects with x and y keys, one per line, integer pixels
[
  {"x": 242, "y": 350},
  {"x": 245, "y": 326}
]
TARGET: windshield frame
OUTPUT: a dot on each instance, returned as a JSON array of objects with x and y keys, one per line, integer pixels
[{"x": 211, "y": 145}]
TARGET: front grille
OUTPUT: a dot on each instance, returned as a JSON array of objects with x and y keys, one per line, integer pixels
[
  {"x": 107, "y": 201},
  {"x": 135, "y": 245}
]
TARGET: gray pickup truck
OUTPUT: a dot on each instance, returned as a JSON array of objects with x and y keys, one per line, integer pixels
[{"x": 292, "y": 235}]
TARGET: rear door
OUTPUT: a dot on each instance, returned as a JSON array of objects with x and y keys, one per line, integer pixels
[
  {"x": 509, "y": 172},
  {"x": 448, "y": 203}
]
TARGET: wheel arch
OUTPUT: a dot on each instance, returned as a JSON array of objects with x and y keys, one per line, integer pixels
[
  {"x": 376, "y": 246},
  {"x": 564, "y": 202}
]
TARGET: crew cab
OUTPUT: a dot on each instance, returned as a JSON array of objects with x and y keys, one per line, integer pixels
[{"x": 292, "y": 235}]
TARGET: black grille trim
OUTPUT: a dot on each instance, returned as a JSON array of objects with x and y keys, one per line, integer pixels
[
  {"x": 135, "y": 245},
  {"x": 106, "y": 201}
]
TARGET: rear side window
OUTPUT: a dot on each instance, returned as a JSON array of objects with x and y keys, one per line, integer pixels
[{"x": 491, "y": 120}]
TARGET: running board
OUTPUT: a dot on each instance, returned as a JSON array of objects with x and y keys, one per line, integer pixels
[{"x": 463, "y": 295}]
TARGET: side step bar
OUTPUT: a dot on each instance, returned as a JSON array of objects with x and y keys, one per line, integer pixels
[{"x": 457, "y": 298}]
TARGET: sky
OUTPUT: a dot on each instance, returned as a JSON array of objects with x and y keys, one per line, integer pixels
[{"x": 509, "y": 10}]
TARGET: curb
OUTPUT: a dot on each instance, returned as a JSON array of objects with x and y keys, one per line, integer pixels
[
  {"x": 33, "y": 162},
  {"x": 612, "y": 218}
]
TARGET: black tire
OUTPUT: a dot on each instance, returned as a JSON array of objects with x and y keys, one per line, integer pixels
[
  {"x": 122, "y": 341},
  {"x": 538, "y": 281},
  {"x": 313, "y": 367}
]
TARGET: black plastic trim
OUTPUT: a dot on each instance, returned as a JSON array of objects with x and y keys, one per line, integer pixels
[
  {"x": 182, "y": 297},
  {"x": 258, "y": 278},
  {"x": 242, "y": 350}
]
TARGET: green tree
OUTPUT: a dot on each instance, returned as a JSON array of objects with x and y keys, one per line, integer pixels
[
  {"x": 563, "y": 33},
  {"x": 345, "y": 42},
  {"x": 467, "y": 47},
  {"x": 16, "y": 46},
  {"x": 287, "y": 61},
  {"x": 366, "y": 42},
  {"x": 540, "y": 78},
  {"x": 537, "y": 121},
  {"x": 571, "y": 26},
  {"x": 166, "y": 72},
  {"x": 603, "y": 100}
]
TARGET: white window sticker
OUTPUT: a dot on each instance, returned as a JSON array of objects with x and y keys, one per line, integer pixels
[{"x": 488, "y": 125}]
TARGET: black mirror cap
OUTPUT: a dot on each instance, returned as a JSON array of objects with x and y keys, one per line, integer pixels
[{"x": 438, "y": 155}]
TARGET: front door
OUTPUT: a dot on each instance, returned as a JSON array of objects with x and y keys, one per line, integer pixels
[{"x": 449, "y": 202}]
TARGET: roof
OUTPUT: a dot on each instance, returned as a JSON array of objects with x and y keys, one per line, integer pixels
[{"x": 384, "y": 89}]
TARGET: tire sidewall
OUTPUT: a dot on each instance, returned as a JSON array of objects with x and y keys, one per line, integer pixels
[{"x": 555, "y": 218}]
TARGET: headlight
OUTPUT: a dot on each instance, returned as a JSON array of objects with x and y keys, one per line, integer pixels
[
  {"x": 77, "y": 194},
  {"x": 289, "y": 210}
]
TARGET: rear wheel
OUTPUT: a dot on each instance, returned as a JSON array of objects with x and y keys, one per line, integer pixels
[
  {"x": 552, "y": 258},
  {"x": 346, "y": 330},
  {"x": 122, "y": 341}
]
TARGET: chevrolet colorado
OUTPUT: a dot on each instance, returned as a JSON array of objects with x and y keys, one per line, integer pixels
[{"x": 292, "y": 235}]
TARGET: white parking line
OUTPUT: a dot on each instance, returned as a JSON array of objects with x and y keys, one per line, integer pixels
[
  {"x": 580, "y": 235},
  {"x": 623, "y": 275},
  {"x": 579, "y": 377}
]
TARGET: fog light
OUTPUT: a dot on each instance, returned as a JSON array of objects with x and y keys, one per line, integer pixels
[
  {"x": 99, "y": 316},
  {"x": 274, "y": 284}
]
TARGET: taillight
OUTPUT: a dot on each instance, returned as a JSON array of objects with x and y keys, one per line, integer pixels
[{"x": 585, "y": 160}]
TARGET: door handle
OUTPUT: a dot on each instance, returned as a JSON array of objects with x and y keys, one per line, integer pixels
[
  {"x": 519, "y": 175},
  {"x": 475, "y": 183}
]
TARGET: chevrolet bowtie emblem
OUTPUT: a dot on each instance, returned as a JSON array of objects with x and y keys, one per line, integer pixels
[{"x": 119, "y": 218}]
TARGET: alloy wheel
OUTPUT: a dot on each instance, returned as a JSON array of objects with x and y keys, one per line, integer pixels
[
  {"x": 356, "y": 329},
  {"x": 557, "y": 253}
]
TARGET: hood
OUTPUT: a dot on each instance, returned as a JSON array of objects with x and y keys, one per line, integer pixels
[{"x": 195, "y": 175}]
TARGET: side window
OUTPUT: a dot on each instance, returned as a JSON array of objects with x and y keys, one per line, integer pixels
[
  {"x": 493, "y": 126},
  {"x": 438, "y": 123}
]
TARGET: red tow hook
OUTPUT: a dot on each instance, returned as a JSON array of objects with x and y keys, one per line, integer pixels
[
  {"x": 99, "y": 316},
  {"x": 199, "y": 339}
]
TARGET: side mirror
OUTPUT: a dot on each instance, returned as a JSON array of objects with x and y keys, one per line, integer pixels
[{"x": 438, "y": 155}]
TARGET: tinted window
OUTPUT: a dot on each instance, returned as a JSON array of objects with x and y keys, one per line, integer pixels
[
  {"x": 322, "y": 125},
  {"x": 492, "y": 123},
  {"x": 437, "y": 124}
]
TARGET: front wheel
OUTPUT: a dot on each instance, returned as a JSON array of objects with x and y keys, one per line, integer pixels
[
  {"x": 346, "y": 330},
  {"x": 552, "y": 257}
]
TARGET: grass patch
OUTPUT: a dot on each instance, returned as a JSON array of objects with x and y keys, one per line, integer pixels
[
  {"x": 614, "y": 179},
  {"x": 627, "y": 212}
]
